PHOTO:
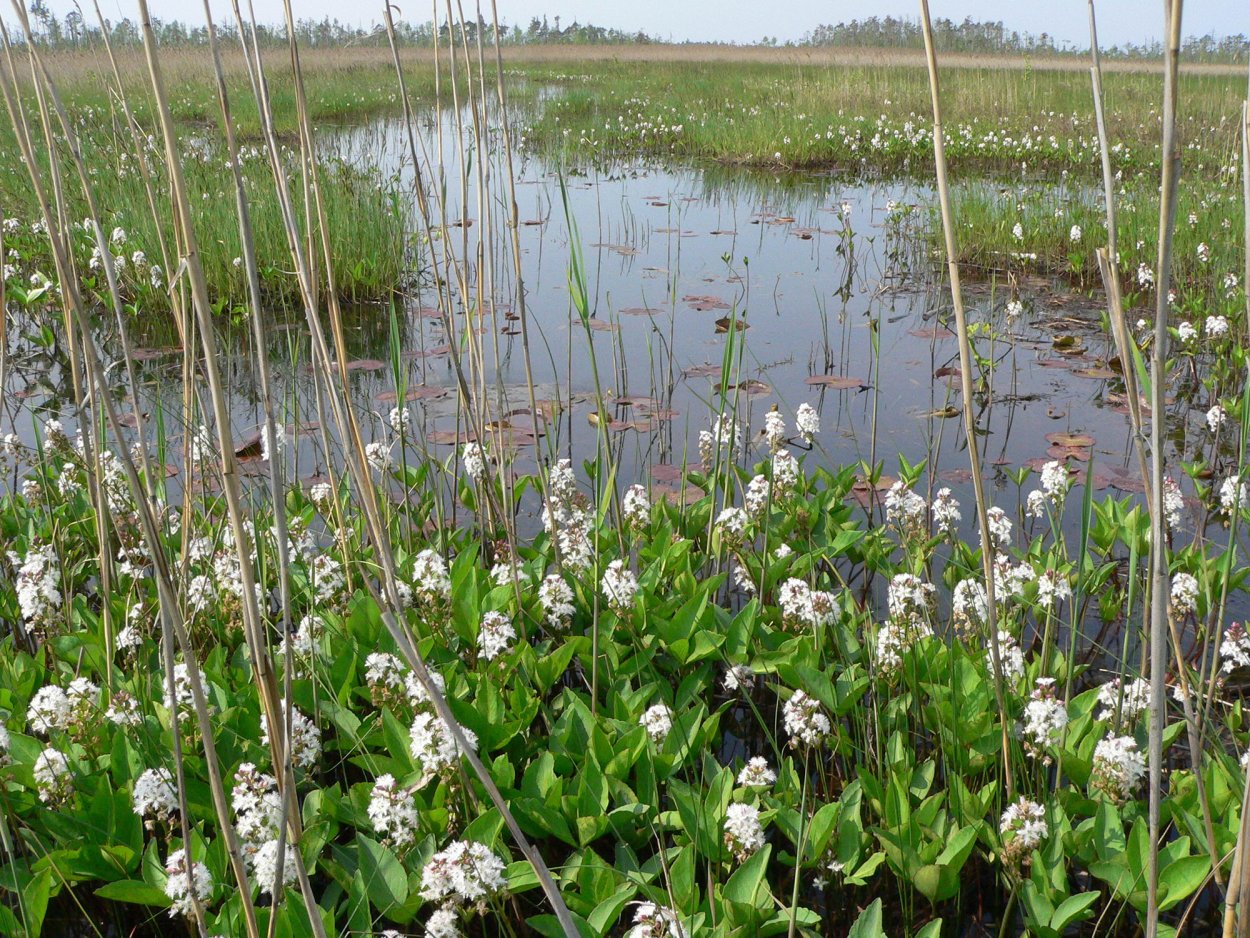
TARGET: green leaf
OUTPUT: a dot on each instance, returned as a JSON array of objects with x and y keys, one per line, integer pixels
[
  {"x": 868, "y": 925},
  {"x": 1181, "y": 879},
  {"x": 1072, "y": 909},
  {"x": 549, "y": 926},
  {"x": 134, "y": 891},
  {"x": 744, "y": 885},
  {"x": 385, "y": 880},
  {"x": 608, "y": 911}
]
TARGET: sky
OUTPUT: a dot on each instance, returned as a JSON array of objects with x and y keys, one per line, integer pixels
[{"x": 1120, "y": 21}]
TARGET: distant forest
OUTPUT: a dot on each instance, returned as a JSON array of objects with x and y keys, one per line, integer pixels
[
  {"x": 994, "y": 37},
  {"x": 875, "y": 32}
]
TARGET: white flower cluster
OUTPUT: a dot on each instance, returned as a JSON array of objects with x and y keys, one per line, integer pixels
[
  {"x": 1184, "y": 594},
  {"x": 969, "y": 606},
  {"x": 1023, "y": 828},
  {"x": 1217, "y": 416},
  {"x": 155, "y": 797},
  {"x": 474, "y": 459},
  {"x": 732, "y": 524},
  {"x": 72, "y": 709},
  {"x": 906, "y": 511},
  {"x": 619, "y": 586},
  {"x": 744, "y": 833},
  {"x": 48, "y": 710},
  {"x": 897, "y": 637},
  {"x": 391, "y": 684},
  {"x": 305, "y": 738},
  {"x": 1000, "y": 528},
  {"x": 508, "y": 569},
  {"x": 1010, "y": 657},
  {"x": 723, "y": 435},
  {"x": 400, "y": 420},
  {"x": 739, "y": 677},
  {"x": 495, "y": 635},
  {"x": 393, "y": 811},
  {"x": 656, "y": 921},
  {"x": 322, "y": 496},
  {"x": 568, "y": 518},
  {"x": 182, "y": 699},
  {"x": 909, "y": 598},
  {"x": 430, "y": 579},
  {"x": 1009, "y": 578},
  {"x": 434, "y": 747},
  {"x": 1052, "y": 586},
  {"x": 1128, "y": 700},
  {"x": 1118, "y": 767},
  {"x": 946, "y": 511},
  {"x": 257, "y": 808},
  {"x": 53, "y": 779},
  {"x": 464, "y": 873},
  {"x": 805, "y": 721},
  {"x": 265, "y": 865},
  {"x": 1234, "y": 495},
  {"x": 658, "y": 721},
  {"x": 38, "y": 585},
  {"x": 757, "y": 774},
  {"x": 1055, "y": 481},
  {"x": 1044, "y": 720},
  {"x": 774, "y": 430},
  {"x": 758, "y": 494},
  {"x": 802, "y": 606},
  {"x": 1173, "y": 503},
  {"x": 186, "y": 883},
  {"x": 328, "y": 578},
  {"x": 807, "y": 420},
  {"x": 636, "y": 508},
  {"x": 1235, "y": 648},
  {"x": 556, "y": 597},
  {"x": 378, "y": 455}
]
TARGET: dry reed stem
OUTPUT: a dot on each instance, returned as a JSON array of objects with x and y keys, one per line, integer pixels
[
  {"x": 1159, "y": 626},
  {"x": 965, "y": 369}
]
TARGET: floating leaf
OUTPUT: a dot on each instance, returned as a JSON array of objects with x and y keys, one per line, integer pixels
[
  {"x": 702, "y": 371},
  {"x": 837, "y": 382},
  {"x": 1063, "y": 438},
  {"x": 704, "y": 302}
]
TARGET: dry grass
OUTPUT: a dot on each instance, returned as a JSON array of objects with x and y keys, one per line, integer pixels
[{"x": 192, "y": 63}]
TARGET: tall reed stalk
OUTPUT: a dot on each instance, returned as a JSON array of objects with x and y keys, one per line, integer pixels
[
  {"x": 1159, "y": 625},
  {"x": 965, "y": 379}
]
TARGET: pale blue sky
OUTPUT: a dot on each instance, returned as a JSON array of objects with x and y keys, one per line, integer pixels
[{"x": 747, "y": 20}]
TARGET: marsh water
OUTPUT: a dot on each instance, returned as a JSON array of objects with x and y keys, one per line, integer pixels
[{"x": 814, "y": 288}]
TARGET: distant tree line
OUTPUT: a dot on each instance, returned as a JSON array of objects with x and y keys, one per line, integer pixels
[
  {"x": 73, "y": 30},
  {"x": 995, "y": 38}
]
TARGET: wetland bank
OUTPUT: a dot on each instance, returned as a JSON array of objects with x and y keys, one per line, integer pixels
[{"x": 425, "y": 522}]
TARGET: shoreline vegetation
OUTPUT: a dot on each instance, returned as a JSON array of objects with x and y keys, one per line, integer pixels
[{"x": 447, "y": 697}]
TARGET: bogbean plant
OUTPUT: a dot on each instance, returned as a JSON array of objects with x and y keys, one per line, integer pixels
[
  {"x": 373, "y": 251},
  {"x": 1037, "y": 225},
  {"x": 796, "y": 717}
]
